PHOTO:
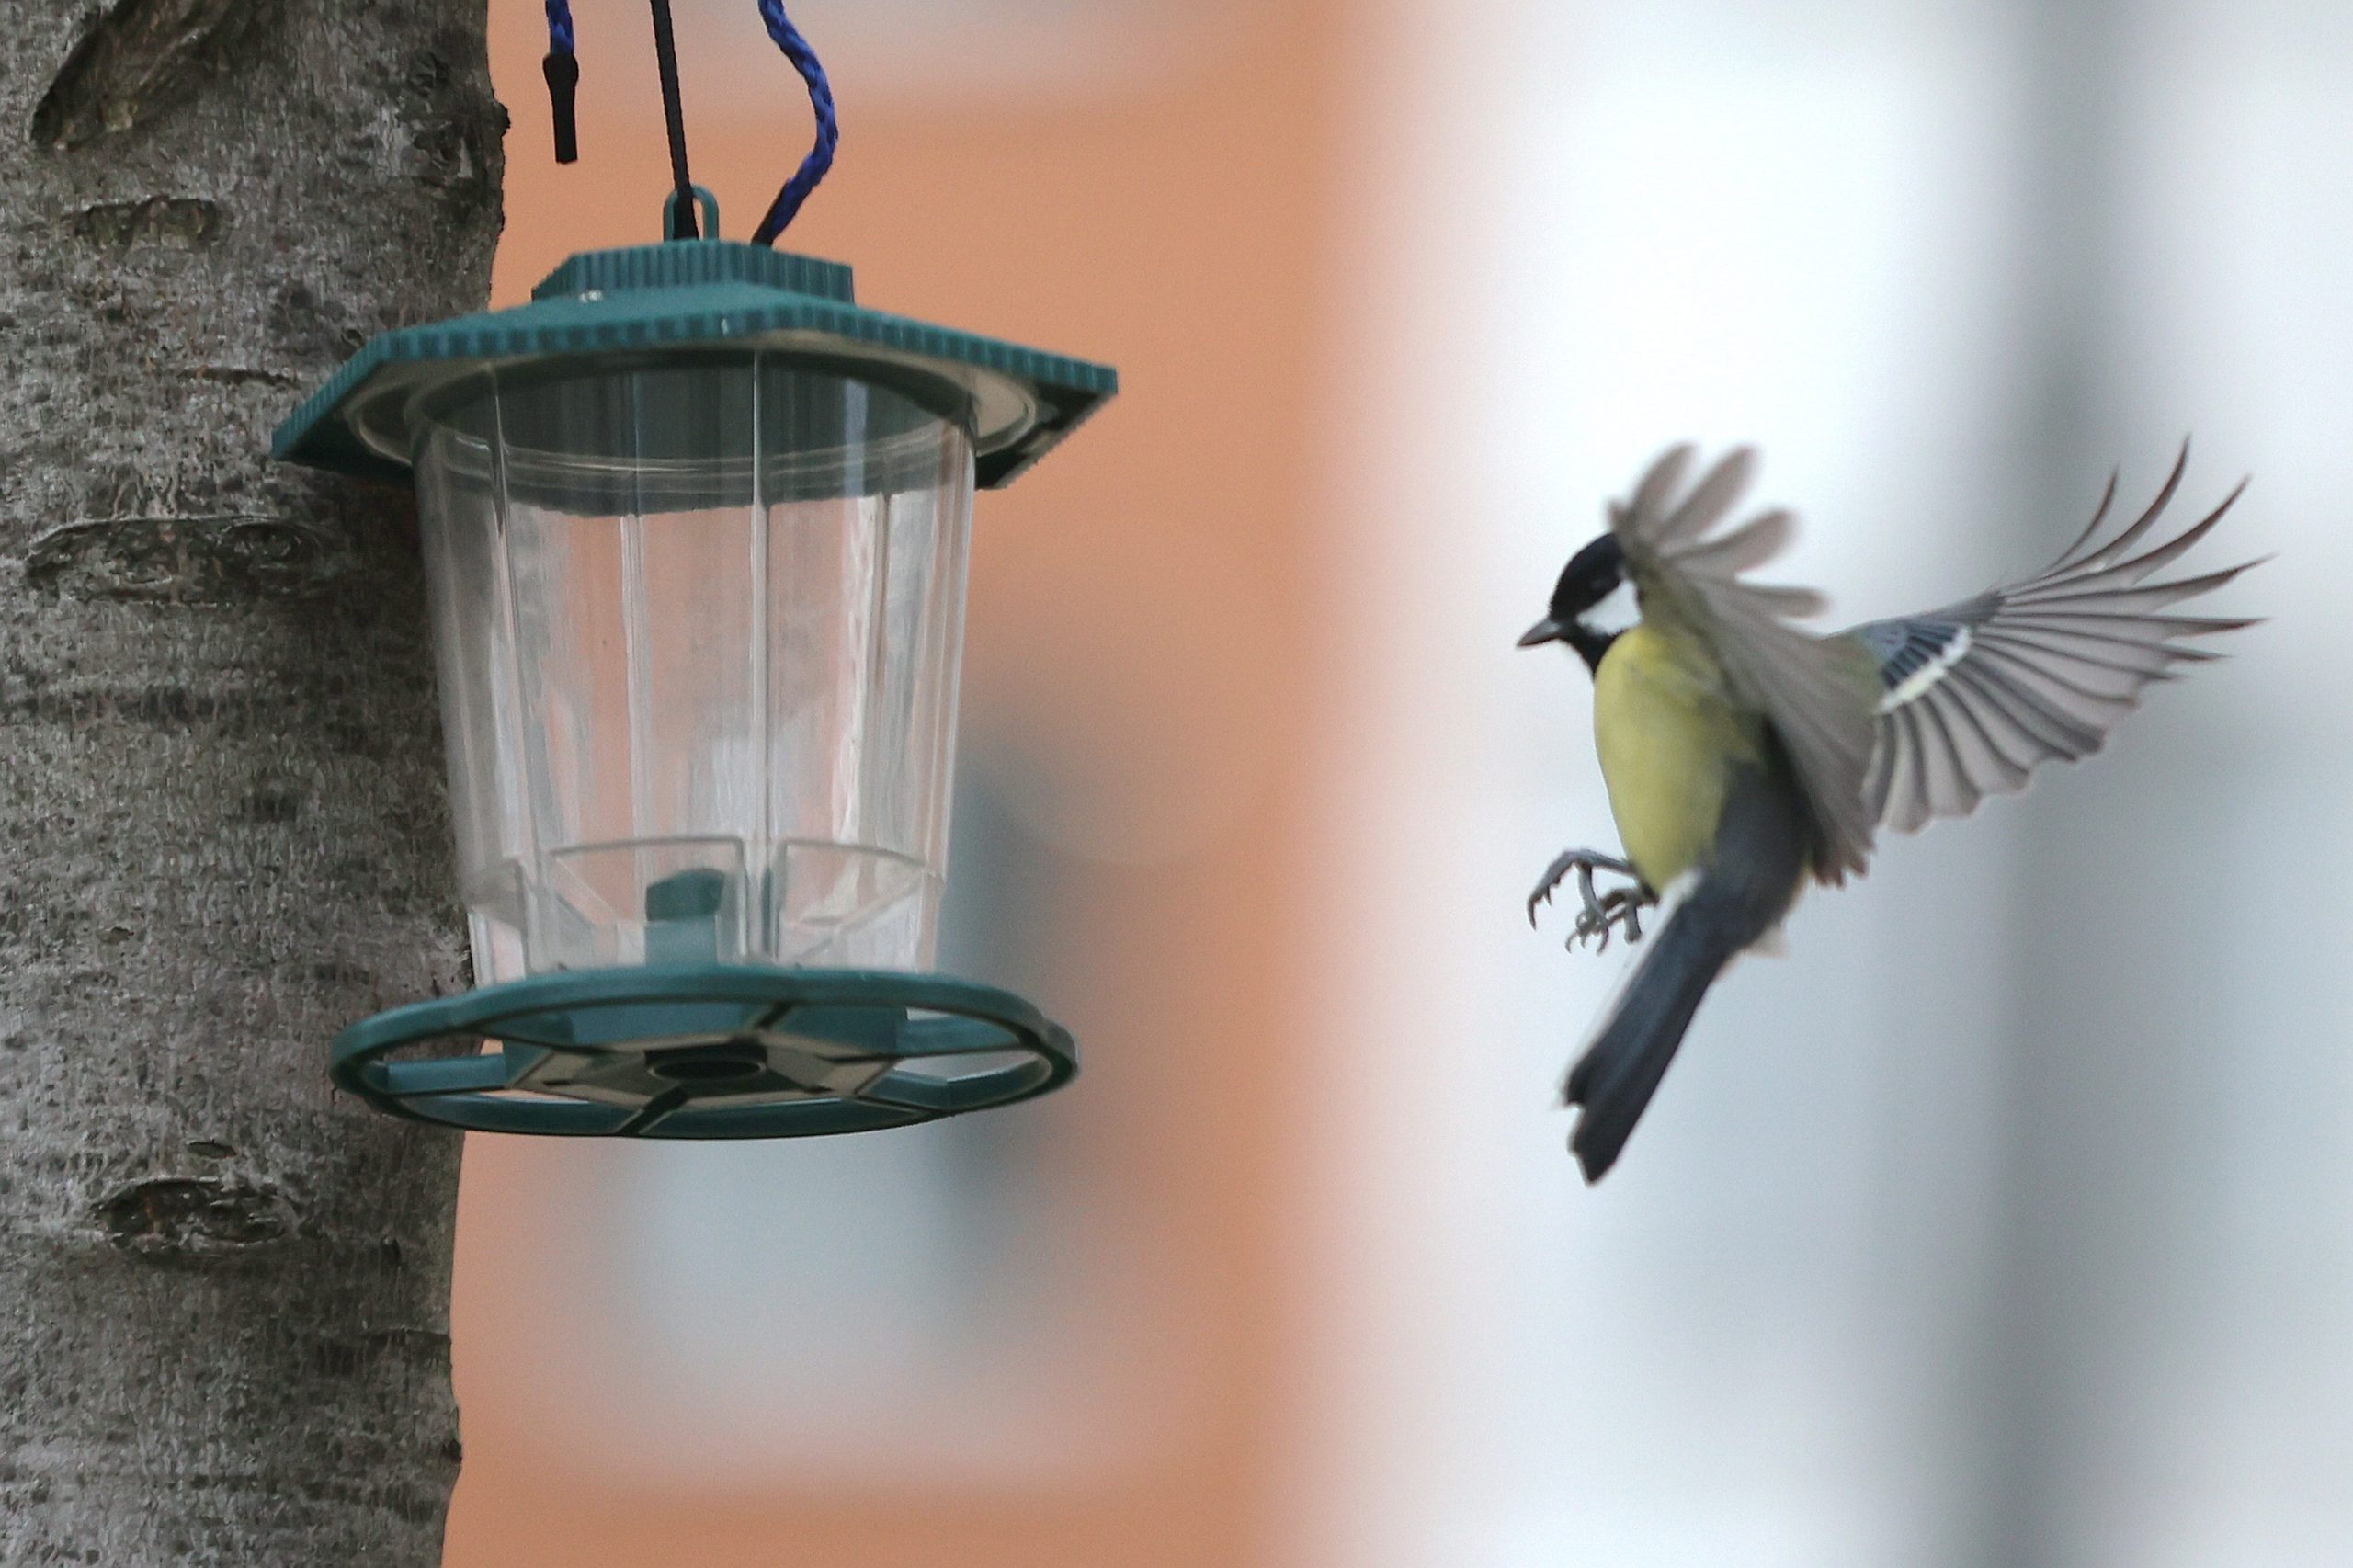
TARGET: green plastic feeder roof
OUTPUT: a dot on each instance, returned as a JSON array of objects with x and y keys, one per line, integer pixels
[{"x": 691, "y": 298}]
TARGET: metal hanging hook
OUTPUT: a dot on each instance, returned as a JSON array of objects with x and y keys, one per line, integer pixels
[{"x": 674, "y": 121}]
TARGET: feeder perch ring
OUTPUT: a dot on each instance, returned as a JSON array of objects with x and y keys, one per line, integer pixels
[{"x": 708, "y": 1050}]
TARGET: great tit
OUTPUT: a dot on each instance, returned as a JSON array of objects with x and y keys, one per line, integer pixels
[{"x": 1745, "y": 755}]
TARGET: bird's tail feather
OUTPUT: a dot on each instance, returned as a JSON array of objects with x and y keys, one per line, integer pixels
[{"x": 1618, "y": 1072}]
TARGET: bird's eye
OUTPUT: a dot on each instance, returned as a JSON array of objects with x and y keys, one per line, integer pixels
[{"x": 1615, "y": 611}]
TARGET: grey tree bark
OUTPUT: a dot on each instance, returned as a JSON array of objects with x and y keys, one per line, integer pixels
[{"x": 223, "y": 1290}]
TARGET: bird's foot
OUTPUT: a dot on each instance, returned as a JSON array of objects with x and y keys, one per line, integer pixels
[
  {"x": 1620, "y": 906},
  {"x": 1584, "y": 862}
]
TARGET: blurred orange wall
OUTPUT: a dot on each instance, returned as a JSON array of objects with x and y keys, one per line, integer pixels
[{"x": 1138, "y": 602}]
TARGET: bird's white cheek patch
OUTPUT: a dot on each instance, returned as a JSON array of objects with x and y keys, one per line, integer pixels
[{"x": 1620, "y": 611}]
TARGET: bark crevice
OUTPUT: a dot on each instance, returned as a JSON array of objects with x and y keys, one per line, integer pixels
[
  {"x": 130, "y": 64},
  {"x": 193, "y": 1219},
  {"x": 184, "y": 222}
]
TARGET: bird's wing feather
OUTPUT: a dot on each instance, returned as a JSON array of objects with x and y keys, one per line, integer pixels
[
  {"x": 1807, "y": 687},
  {"x": 1975, "y": 696}
]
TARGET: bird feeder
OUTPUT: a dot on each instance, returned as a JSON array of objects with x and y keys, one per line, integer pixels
[{"x": 695, "y": 523}]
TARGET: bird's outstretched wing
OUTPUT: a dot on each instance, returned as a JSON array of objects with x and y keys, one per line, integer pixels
[
  {"x": 1979, "y": 693},
  {"x": 1813, "y": 690}
]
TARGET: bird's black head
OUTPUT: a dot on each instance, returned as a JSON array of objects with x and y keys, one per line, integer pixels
[{"x": 1593, "y": 578}]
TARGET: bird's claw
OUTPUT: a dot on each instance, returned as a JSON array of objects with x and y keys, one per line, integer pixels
[
  {"x": 1584, "y": 862},
  {"x": 1620, "y": 906}
]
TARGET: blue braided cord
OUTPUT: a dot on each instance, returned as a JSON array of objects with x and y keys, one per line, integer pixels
[
  {"x": 821, "y": 100},
  {"x": 559, "y": 27}
]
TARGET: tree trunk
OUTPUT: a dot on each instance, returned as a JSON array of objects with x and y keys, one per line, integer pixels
[{"x": 223, "y": 1290}]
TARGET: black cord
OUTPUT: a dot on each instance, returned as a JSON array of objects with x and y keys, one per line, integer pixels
[{"x": 683, "y": 225}]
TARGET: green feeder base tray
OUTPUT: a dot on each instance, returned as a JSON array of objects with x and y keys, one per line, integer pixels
[{"x": 708, "y": 1050}]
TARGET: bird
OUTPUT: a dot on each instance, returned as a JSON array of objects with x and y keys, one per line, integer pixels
[{"x": 1746, "y": 757}]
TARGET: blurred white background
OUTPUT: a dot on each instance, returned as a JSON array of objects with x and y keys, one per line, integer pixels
[{"x": 2010, "y": 1219}]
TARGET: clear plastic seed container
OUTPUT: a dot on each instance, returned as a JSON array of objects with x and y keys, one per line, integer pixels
[{"x": 700, "y": 626}]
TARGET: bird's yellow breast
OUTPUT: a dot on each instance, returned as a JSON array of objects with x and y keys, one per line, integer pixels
[{"x": 1668, "y": 734}]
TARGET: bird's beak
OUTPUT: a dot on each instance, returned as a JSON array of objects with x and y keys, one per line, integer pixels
[{"x": 1545, "y": 631}]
